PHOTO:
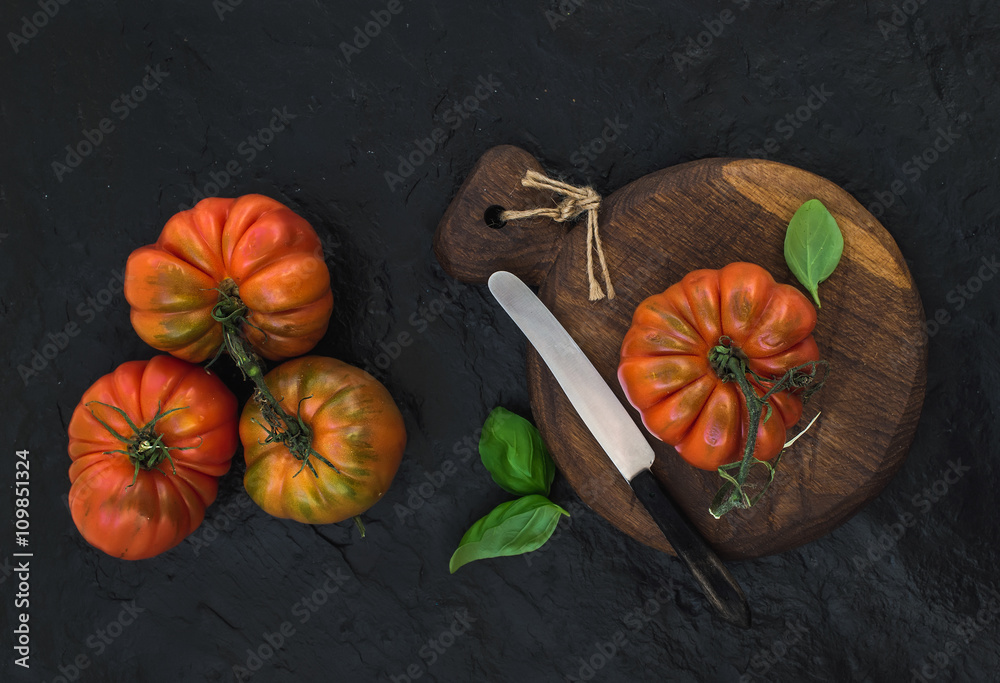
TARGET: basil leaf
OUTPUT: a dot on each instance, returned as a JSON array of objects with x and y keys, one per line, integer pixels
[
  {"x": 512, "y": 450},
  {"x": 513, "y": 528},
  {"x": 813, "y": 245}
]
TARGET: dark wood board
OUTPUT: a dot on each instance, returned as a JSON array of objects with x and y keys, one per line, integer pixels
[{"x": 705, "y": 214}]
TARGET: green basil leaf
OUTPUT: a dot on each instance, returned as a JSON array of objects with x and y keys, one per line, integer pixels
[
  {"x": 513, "y": 528},
  {"x": 513, "y": 452},
  {"x": 813, "y": 245}
]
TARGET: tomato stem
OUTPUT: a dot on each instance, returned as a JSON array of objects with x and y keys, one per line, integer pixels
[
  {"x": 145, "y": 447},
  {"x": 731, "y": 365},
  {"x": 281, "y": 427}
]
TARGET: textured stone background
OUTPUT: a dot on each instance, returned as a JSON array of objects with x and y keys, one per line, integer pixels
[{"x": 869, "y": 602}]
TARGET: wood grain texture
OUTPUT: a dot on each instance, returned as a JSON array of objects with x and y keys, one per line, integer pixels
[{"x": 705, "y": 214}]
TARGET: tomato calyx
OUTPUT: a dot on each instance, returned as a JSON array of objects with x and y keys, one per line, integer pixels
[
  {"x": 145, "y": 448},
  {"x": 731, "y": 365},
  {"x": 230, "y": 304},
  {"x": 728, "y": 361},
  {"x": 293, "y": 434}
]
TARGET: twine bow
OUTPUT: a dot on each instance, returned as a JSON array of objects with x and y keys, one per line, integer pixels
[{"x": 577, "y": 200}]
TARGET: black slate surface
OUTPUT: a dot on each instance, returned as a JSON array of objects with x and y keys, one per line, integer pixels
[{"x": 895, "y": 101}]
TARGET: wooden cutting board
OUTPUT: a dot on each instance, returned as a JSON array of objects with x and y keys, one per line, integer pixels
[{"x": 705, "y": 214}]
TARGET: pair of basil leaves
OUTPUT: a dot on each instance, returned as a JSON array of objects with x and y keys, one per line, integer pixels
[{"x": 512, "y": 450}]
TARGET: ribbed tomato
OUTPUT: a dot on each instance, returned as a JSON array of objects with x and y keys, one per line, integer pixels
[
  {"x": 666, "y": 373},
  {"x": 252, "y": 256},
  {"x": 141, "y": 480},
  {"x": 341, "y": 453}
]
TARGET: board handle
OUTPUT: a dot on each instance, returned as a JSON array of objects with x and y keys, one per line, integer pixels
[{"x": 472, "y": 242}]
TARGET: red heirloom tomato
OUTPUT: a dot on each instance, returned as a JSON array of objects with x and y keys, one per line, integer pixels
[
  {"x": 251, "y": 260},
  {"x": 341, "y": 452},
  {"x": 666, "y": 373},
  {"x": 148, "y": 443}
]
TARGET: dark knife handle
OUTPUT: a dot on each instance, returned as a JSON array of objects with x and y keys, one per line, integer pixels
[{"x": 720, "y": 588}]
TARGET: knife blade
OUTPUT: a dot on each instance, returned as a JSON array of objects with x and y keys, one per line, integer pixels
[{"x": 622, "y": 441}]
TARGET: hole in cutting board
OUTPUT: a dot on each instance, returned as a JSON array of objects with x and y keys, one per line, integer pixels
[{"x": 493, "y": 217}]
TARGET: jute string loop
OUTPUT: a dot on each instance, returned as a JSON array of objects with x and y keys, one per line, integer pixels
[{"x": 577, "y": 200}]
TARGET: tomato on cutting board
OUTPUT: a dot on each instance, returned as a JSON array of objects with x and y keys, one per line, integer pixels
[{"x": 667, "y": 375}]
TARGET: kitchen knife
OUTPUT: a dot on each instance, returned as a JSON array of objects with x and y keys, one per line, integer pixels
[{"x": 620, "y": 438}]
